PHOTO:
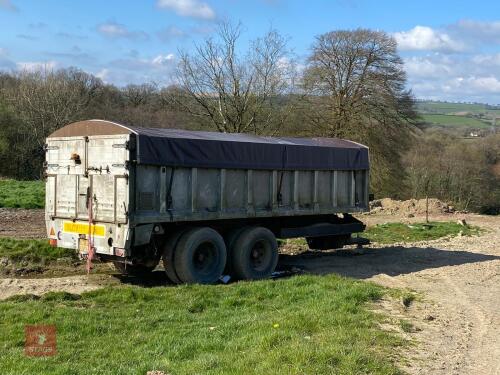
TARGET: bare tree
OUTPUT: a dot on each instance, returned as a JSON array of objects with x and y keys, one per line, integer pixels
[
  {"x": 354, "y": 87},
  {"x": 355, "y": 79},
  {"x": 137, "y": 95},
  {"x": 235, "y": 92},
  {"x": 46, "y": 100}
]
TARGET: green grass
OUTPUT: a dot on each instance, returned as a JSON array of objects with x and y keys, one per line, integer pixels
[
  {"x": 455, "y": 121},
  {"x": 300, "y": 325},
  {"x": 450, "y": 108},
  {"x": 399, "y": 232},
  {"x": 32, "y": 251},
  {"x": 406, "y": 326},
  {"x": 22, "y": 194}
]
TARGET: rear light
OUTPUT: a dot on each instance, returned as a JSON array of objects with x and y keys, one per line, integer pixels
[
  {"x": 53, "y": 242},
  {"x": 119, "y": 252}
]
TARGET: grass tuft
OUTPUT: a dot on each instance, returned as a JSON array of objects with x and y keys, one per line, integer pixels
[{"x": 406, "y": 326}]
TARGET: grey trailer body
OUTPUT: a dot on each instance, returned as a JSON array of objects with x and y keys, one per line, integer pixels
[{"x": 128, "y": 190}]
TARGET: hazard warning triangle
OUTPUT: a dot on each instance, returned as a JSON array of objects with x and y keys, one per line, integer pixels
[{"x": 52, "y": 233}]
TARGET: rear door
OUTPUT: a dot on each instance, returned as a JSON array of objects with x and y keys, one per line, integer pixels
[
  {"x": 107, "y": 167},
  {"x": 65, "y": 165},
  {"x": 83, "y": 167}
]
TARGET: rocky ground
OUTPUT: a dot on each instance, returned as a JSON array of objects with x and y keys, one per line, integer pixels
[{"x": 454, "y": 323}]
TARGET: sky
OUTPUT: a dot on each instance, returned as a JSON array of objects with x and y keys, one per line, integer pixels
[{"x": 451, "y": 49}]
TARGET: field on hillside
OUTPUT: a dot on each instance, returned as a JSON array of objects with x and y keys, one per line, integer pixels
[
  {"x": 455, "y": 121},
  {"x": 459, "y": 117},
  {"x": 452, "y": 108}
]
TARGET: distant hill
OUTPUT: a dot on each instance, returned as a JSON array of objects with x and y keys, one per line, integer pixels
[
  {"x": 448, "y": 108},
  {"x": 462, "y": 116}
]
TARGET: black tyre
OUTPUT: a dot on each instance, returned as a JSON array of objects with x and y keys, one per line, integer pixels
[
  {"x": 168, "y": 256},
  {"x": 254, "y": 254},
  {"x": 138, "y": 270},
  {"x": 200, "y": 256},
  {"x": 230, "y": 238}
]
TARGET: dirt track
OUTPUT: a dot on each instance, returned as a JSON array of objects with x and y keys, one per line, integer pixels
[
  {"x": 456, "y": 324},
  {"x": 21, "y": 223}
]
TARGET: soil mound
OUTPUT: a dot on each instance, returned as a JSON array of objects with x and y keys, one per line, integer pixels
[{"x": 409, "y": 207}]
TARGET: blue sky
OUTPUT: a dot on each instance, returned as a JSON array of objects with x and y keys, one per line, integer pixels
[{"x": 451, "y": 48}]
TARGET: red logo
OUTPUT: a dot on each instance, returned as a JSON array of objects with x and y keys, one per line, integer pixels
[{"x": 40, "y": 341}]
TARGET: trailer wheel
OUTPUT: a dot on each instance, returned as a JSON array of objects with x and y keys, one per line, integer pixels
[
  {"x": 138, "y": 270},
  {"x": 230, "y": 238},
  {"x": 200, "y": 256},
  {"x": 168, "y": 256},
  {"x": 254, "y": 254}
]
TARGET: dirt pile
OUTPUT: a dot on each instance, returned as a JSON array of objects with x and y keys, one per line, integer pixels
[{"x": 410, "y": 207}]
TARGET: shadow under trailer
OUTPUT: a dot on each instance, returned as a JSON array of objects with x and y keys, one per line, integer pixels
[{"x": 203, "y": 203}]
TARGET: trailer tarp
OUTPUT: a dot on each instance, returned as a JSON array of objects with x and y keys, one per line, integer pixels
[
  {"x": 185, "y": 148},
  {"x": 223, "y": 150}
]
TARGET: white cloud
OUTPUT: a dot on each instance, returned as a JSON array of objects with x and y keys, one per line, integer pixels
[
  {"x": 487, "y": 60},
  {"x": 188, "y": 8},
  {"x": 115, "y": 30},
  {"x": 483, "y": 84},
  {"x": 103, "y": 74},
  {"x": 428, "y": 67},
  {"x": 456, "y": 77},
  {"x": 479, "y": 31},
  {"x": 137, "y": 70},
  {"x": 35, "y": 66},
  {"x": 423, "y": 38},
  {"x": 163, "y": 59},
  {"x": 7, "y": 5}
]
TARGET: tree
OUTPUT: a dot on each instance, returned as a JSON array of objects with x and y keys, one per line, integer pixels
[
  {"x": 36, "y": 104},
  {"x": 45, "y": 100},
  {"x": 354, "y": 87},
  {"x": 235, "y": 92}
]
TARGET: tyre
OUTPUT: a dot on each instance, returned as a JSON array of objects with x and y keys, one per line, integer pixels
[
  {"x": 254, "y": 254},
  {"x": 168, "y": 256},
  {"x": 138, "y": 270},
  {"x": 230, "y": 238},
  {"x": 200, "y": 256}
]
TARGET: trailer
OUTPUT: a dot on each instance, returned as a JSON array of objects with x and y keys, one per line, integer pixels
[{"x": 203, "y": 203}]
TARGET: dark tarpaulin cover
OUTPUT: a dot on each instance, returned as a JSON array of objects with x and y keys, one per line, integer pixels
[{"x": 184, "y": 148}]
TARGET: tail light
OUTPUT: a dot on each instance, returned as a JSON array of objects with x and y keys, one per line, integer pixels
[
  {"x": 53, "y": 242},
  {"x": 119, "y": 252}
]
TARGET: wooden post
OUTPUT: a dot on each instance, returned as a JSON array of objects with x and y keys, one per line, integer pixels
[{"x": 427, "y": 209}]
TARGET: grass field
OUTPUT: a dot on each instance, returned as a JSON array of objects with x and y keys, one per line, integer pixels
[
  {"x": 399, "y": 232},
  {"x": 447, "y": 108},
  {"x": 32, "y": 251},
  {"x": 22, "y": 194},
  {"x": 455, "y": 121},
  {"x": 299, "y": 325}
]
